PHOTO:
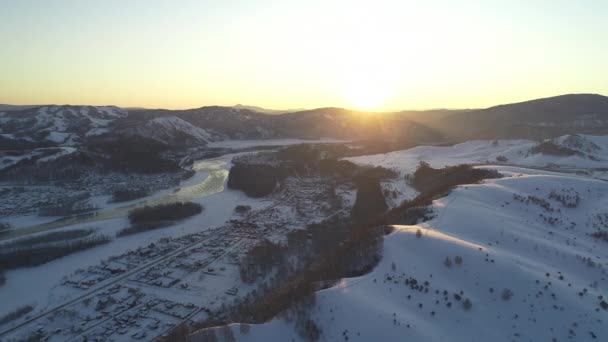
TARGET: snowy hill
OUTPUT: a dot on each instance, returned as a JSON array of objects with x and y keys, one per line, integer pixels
[
  {"x": 526, "y": 267},
  {"x": 57, "y": 125},
  {"x": 169, "y": 130},
  {"x": 570, "y": 151}
]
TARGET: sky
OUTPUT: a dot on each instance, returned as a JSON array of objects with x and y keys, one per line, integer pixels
[{"x": 374, "y": 55}]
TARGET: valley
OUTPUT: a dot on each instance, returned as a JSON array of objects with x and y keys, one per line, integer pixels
[{"x": 533, "y": 255}]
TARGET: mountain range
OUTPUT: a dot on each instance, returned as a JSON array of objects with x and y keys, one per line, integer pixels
[{"x": 51, "y": 125}]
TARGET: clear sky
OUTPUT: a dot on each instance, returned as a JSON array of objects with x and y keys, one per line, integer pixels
[{"x": 300, "y": 54}]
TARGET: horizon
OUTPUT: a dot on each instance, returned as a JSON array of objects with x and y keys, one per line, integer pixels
[
  {"x": 294, "y": 110},
  {"x": 274, "y": 54}
]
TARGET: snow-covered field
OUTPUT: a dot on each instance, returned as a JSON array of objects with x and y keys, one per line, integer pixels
[{"x": 592, "y": 152}]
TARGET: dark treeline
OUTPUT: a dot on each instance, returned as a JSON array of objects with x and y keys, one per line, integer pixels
[
  {"x": 16, "y": 257},
  {"x": 550, "y": 148},
  {"x": 17, "y": 313},
  {"x": 64, "y": 168},
  {"x": 164, "y": 212},
  {"x": 131, "y": 154},
  {"x": 142, "y": 227},
  {"x": 48, "y": 238},
  {"x": 256, "y": 180},
  {"x": 430, "y": 180}
]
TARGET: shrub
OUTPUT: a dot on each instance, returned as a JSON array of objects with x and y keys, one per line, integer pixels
[
  {"x": 241, "y": 209},
  {"x": 601, "y": 235},
  {"x": 458, "y": 260},
  {"x": 447, "y": 262},
  {"x": 550, "y": 148},
  {"x": 309, "y": 330},
  {"x": 244, "y": 328},
  {"x": 5, "y": 228},
  {"x": 467, "y": 304},
  {"x": 506, "y": 294},
  {"x": 164, "y": 212},
  {"x": 13, "y": 315}
]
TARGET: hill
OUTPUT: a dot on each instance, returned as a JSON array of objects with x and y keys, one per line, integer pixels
[
  {"x": 266, "y": 110},
  {"x": 541, "y": 118}
]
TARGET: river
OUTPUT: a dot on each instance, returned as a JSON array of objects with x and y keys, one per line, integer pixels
[{"x": 209, "y": 185}]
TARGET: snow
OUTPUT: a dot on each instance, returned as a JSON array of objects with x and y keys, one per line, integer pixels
[
  {"x": 21, "y": 287},
  {"x": 505, "y": 246},
  {"x": 59, "y": 137},
  {"x": 97, "y": 131},
  {"x": 64, "y": 151},
  {"x": 175, "y": 123},
  {"x": 516, "y": 152},
  {"x": 502, "y": 229},
  {"x": 167, "y": 129},
  {"x": 56, "y": 120}
]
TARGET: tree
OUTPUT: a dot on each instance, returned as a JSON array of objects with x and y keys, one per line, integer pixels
[{"x": 447, "y": 262}]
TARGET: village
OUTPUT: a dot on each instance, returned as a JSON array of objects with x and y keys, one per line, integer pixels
[{"x": 145, "y": 292}]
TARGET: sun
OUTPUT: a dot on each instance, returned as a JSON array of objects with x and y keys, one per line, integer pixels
[
  {"x": 366, "y": 95},
  {"x": 369, "y": 82},
  {"x": 367, "y": 91}
]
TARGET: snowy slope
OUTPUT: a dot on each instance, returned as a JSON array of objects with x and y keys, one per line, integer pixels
[
  {"x": 591, "y": 152},
  {"x": 39, "y": 155},
  {"x": 530, "y": 273},
  {"x": 170, "y": 130},
  {"x": 61, "y": 125}
]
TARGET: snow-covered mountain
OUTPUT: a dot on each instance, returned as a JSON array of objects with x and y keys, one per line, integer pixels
[
  {"x": 169, "y": 130},
  {"x": 57, "y": 125}
]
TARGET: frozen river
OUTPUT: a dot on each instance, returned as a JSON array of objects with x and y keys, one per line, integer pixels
[{"x": 210, "y": 178}]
